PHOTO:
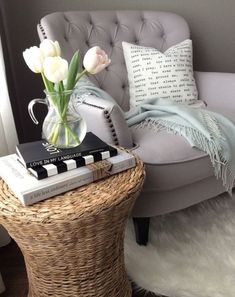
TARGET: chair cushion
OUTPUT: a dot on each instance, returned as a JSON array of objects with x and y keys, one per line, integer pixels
[
  {"x": 167, "y": 75},
  {"x": 170, "y": 160}
]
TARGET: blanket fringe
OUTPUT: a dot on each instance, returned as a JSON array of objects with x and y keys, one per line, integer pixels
[{"x": 209, "y": 145}]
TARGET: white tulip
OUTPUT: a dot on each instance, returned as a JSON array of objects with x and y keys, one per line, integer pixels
[
  {"x": 34, "y": 58},
  {"x": 95, "y": 60},
  {"x": 55, "y": 69},
  {"x": 50, "y": 48}
]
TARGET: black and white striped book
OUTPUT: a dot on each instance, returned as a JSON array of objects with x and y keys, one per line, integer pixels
[
  {"x": 44, "y": 171},
  {"x": 30, "y": 190},
  {"x": 32, "y": 154}
]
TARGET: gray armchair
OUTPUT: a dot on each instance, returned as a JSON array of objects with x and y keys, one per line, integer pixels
[{"x": 177, "y": 174}]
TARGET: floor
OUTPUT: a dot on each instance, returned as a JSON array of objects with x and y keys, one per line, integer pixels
[
  {"x": 14, "y": 274},
  {"x": 13, "y": 271}
]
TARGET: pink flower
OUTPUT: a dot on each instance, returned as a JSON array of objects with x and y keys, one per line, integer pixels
[{"x": 95, "y": 60}]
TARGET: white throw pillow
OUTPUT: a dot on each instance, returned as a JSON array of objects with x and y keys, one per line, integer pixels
[{"x": 152, "y": 73}]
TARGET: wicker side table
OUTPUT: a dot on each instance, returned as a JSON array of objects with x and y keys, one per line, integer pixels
[{"x": 73, "y": 243}]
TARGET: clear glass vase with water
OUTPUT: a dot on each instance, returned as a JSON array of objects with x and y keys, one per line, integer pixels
[{"x": 63, "y": 126}]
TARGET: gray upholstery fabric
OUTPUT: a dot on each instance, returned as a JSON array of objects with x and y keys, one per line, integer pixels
[
  {"x": 177, "y": 175},
  {"x": 106, "y": 119},
  {"x": 84, "y": 29},
  {"x": 170, "y": 160},
  {"x": 218, "y": 90},
  {"x": 152, "y": 203}
]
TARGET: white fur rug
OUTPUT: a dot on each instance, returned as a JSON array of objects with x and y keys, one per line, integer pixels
[{"x": 191, "y": 253}]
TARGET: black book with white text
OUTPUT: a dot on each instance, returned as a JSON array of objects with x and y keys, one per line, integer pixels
[{"x": 39, "y": 153}]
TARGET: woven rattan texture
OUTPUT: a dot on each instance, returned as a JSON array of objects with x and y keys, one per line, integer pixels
[{"x": 73, "y": 243}]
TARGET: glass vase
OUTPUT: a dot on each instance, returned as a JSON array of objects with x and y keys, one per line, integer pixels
[{"x": 63, "y": 126}]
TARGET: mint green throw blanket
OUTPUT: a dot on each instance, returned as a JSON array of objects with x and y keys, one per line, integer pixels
[{"x": 203, "y": 129}]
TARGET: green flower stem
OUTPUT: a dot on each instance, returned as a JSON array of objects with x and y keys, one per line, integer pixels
[
  {"x": 80, "y": 75},
  {"x": 61, "y": 86},
  {"x": 52, "y": 132},
  {"x": 74, "y": 135},
  {"x": 55, "y": 134},
  {"x": 66, "y": 137},
  {"x": 64, "y": 110},
  {"x": 68, "y": 131},
  {"x": 47, "y": 83},
  {"x": 56, "y": 131},
  {"x": 62, "y": 97}
]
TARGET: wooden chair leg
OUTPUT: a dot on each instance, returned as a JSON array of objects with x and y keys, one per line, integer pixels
[{"x": 141, "y": 230}]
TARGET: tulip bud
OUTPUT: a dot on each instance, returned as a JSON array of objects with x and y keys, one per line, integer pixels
[
  {"x": 55, "y": 69},
  {"x": 50, "y": 48},
  {"x": 95, "y": 60},
  {"x": 34, "y": 58}
]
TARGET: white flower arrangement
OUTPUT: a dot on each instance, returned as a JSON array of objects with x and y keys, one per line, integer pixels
[{"x": 60, "y": 76}]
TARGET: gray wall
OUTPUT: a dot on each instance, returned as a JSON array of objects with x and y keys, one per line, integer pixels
[{"x": 212, "y": 24}]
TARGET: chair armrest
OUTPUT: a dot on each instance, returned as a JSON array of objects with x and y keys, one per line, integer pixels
[
  {"x": 216, "y": 89},
  {"x": 106, "y": 120}
]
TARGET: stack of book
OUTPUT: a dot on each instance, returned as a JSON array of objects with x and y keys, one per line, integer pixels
[
  {"x": 43, "y": 159},
  {"x": 39, "y": 170}
]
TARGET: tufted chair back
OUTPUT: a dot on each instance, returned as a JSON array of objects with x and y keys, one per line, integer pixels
[{"x": 84, "y": 29}]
